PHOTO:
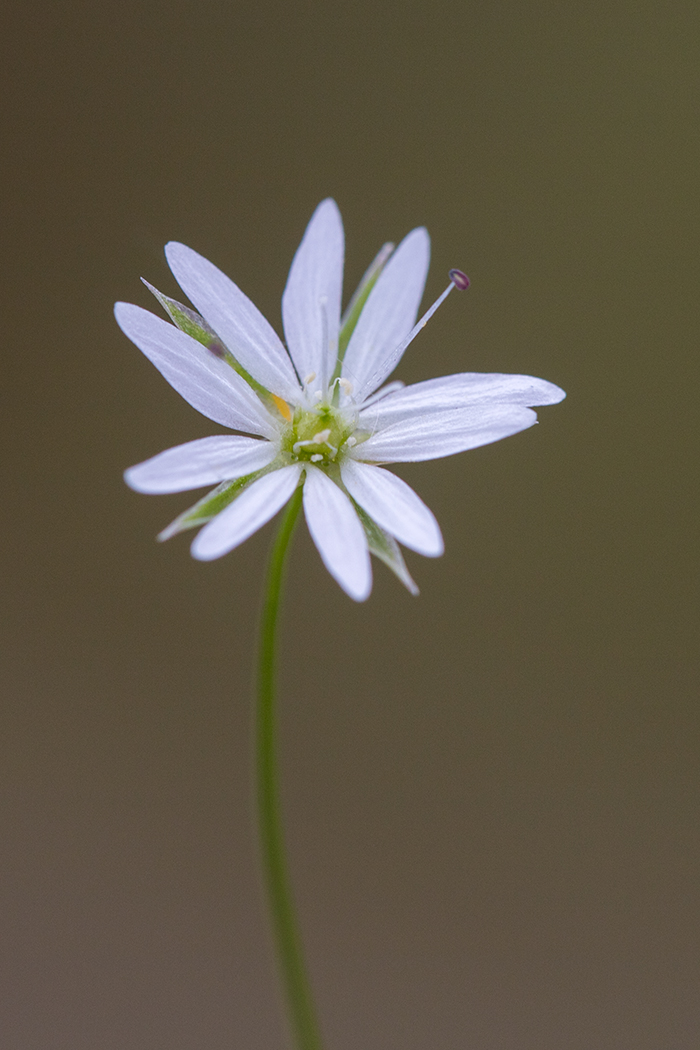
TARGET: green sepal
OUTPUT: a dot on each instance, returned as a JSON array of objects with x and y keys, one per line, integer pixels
[
  {"x": 194, "y": 325},
  {"x": 189, "y": 322},
  {"x": 209, "y": 506},
  {"x": 354, "y": 308},
  {"x": 385, "y": 547}
]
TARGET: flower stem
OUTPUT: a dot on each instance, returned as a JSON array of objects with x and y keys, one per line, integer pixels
[{"x": 283, "y": 917}]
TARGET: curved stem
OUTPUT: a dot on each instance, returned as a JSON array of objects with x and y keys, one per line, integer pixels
[{"x": 284, "y": 923}]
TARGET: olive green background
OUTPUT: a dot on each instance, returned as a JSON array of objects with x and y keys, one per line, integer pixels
[{"x": 491, "y": 791}]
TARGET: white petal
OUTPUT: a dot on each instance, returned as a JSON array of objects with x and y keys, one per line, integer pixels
[
  {"x": 235, "y": 319},
  {"x": 394, "y": 506},
  {"x": 311, "y": 300},
  {"x": 338, "y": 534},
  {"x": 248, "y": 513},
  {"x": 389, "y": 314},
  {"x": 460, "y": 391},
  {"x": 203, "y": 462},
  {"x": 430, "y": 435},
  {"x": 204, "y": 380}
]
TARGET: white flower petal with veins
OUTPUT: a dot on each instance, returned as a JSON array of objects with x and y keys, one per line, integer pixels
[
  {"x": 253, "y": 509},
  {"x": 208, "y": 383},
  {"x": 311, "y": 300},
  {"x": 339, "y": 537},
  {"x": 389, "y": 313},
  {"x": 431, "y": 435},
  {"x": 204, "y": 462},
  {"x": 394, "y": 505},
  {"x": 464, "y": 390},
  {"x": 234, "y": 318}
]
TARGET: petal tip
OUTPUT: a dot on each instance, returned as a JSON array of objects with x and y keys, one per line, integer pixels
[
  {"x": 202, "y": 555},
  {"x": 435, "y": 552},
  {"x": 359, "y": 596},
  {"x": 176, "y": 252},
  {"x": 128, "y": 316},
  {"x": 420, "y": 233},
  {"x": 128, "y": 476},
  {"x": 329, "y": 204}
]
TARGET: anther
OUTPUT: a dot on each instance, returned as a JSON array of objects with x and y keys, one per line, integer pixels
[
  {"x": 309, "y": 379},
  {"x": 217, "y": 348},
  {"x": 459, "y": 280},
  {"x": 321, "y": 437},
  {"x": 346, "y": 386},
  {"x": 316, "y": 458},
  {"x": 351, "y": 441}
]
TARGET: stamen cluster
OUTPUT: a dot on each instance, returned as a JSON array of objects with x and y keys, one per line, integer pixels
[{"x": 319, "y": 435}]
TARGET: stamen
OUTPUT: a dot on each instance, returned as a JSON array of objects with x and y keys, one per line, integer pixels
[
  {"x": 351, "y": 442},
  {"x": 318, "y": 395},
  {"x": 217, "y": 348},
  {"x": 457, "y": 279},
  {"x": 323, "y": 303},
  {"x": 282, "y": 407},
  {"x": 390, "y": 388},
  {"x": 318, "y": 439},
  {"x": 309, "y": 379},
  {"x": 346, "y": 386}
]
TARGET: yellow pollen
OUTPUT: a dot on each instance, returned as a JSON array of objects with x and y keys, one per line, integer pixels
[{"x": 282, "y": 407}]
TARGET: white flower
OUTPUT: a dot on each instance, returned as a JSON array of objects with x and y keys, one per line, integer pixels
[{"x": 313, "y": 407}]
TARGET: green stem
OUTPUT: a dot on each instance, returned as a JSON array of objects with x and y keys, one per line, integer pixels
[{"x": 284, "y": 923}]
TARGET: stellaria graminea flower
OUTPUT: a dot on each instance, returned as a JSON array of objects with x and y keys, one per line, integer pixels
[{"x": 318, "y": 410}]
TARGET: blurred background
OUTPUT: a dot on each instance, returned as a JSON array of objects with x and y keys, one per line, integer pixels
[{"x": 491, "y": 791}]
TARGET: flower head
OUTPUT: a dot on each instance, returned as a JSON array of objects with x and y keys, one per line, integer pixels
[{"x": 317, "y": 409}]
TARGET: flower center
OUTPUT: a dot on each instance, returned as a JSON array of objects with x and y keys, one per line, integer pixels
[{"x": 319, "y": 435}]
